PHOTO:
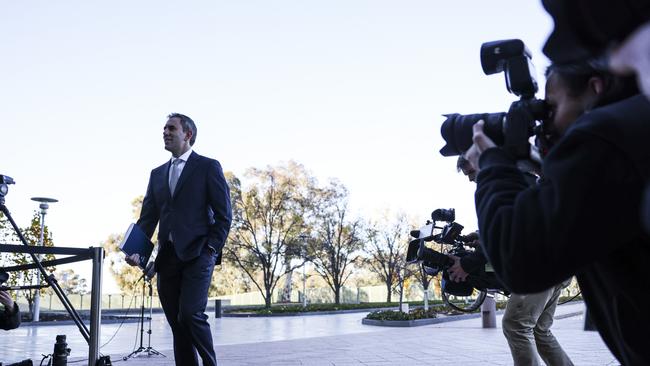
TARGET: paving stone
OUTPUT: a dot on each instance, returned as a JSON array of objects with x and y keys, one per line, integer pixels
[{"x": 339, "y": 340}]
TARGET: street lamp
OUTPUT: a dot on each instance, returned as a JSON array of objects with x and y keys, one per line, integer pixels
[
  {"x": 44, "y": 205},
  {"x": 303, "y": 238}
]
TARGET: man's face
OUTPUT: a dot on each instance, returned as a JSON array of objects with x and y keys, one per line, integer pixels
[
  {"x": 176, "y": 141},
  {"x": 469, "y": 171},
  {"x": 564, "y": 107}
]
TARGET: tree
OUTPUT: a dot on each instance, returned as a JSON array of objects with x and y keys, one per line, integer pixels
[
  {"x": 403, "y": 274},
  {"x": 424, "y": 279},
  {"x": 228, "y": 279},
  {"x": 386, "y": 250},
  {"x": 32, "y": 234},
  {"x": 71, "y": 282},
  {"x": 268, "y": 218},
  {"x": 336, "y": 242}
]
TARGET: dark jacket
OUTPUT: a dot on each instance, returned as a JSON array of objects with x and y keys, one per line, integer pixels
[
  {"x": 474, "y": 261},
  {"x": 582, "y": 219},
  {"x": 198, "y": 213},
  {"x": 10, "y": 318}
]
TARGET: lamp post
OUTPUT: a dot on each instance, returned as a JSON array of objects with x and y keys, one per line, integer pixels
[
  {"x": 44, "y": 205},
  {"x": 304, "y": 237}
]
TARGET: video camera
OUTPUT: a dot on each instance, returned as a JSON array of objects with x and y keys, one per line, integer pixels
[
  {"x": 435, "y": 261},
  {"x": 512, "y": 129}
]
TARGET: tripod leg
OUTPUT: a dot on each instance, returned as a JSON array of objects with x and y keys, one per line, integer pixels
[
  {"x": 141, "y": 348},
  {"x": 151, "y": 350}
]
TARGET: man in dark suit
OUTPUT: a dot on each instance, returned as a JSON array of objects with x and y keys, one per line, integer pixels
[{"x": 189, "y": 198}]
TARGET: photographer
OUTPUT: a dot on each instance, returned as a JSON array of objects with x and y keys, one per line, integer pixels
[
  {"x": 474, "y": 260},
  {"x": 582, "y": 217},
  {"x": 10, "y": 317},
  {"x": 527, "y": 319}
]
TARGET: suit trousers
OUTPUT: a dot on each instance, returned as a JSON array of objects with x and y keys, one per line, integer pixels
[
  {"x": 183, "y": 291},
  {"x": 527, "y": 326}
]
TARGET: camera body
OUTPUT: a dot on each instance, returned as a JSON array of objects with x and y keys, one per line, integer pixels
[
  {"x": 5, "y": 181},
  {"x": 451, "y": 242},
  {"x": 512, "y": 129}
]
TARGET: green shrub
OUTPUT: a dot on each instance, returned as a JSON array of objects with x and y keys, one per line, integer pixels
[
  {"x": 297, "y": 308},
  {"x": 398, "y": 315}
]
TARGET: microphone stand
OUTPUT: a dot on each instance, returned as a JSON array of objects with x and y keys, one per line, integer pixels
[{"x": 149, "y": 350}]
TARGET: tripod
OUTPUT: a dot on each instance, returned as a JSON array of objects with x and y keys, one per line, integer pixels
[{"x": 148, "y": 350}]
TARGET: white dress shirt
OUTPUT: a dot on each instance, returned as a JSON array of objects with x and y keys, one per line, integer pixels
[{"x": 183, "y": 159}]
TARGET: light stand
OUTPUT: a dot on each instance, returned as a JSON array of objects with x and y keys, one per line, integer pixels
[
  {"x": 37, "y": 294},
  {"x": 148, "y": 350}
]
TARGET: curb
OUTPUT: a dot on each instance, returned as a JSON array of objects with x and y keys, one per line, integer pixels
[
  {"x": 445, "y": 319},
  {"x": 307, "y": 313},
  {"x": 418, "y": 322}
]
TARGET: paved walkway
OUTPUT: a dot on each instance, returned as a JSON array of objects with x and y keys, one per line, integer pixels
[{"x": 319, "y": 340}]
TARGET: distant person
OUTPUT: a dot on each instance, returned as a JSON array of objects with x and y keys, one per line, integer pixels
[{"x": 190, "y": 200}]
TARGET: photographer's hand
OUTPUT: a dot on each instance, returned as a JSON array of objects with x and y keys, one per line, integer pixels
[
  {"x": 481, "y": 143},
  {"x": 456, "y": 271},
  {"x": 6, "y": 300},
  {"x": 633, "y": 56}
]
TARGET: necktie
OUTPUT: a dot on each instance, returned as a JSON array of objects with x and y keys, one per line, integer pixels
[{"x": 174, "y": 173}]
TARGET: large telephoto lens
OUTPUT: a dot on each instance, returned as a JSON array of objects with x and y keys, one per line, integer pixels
[{"x": 457, "y": 131}]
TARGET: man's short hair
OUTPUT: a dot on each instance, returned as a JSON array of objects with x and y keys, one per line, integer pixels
[
  {"x": 576, "y": 77},
  {"x": 186, "y": 124}
]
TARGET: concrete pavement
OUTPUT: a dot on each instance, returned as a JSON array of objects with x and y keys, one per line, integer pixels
[{"x": 319, "y": 340}]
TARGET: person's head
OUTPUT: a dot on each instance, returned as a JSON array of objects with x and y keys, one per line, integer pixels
[
  {"x": 463, "y": 165},
  {"x": 179, "y": 134},
  {"x": 573, "y": 89},
  {"x": 586, "y": 29}
]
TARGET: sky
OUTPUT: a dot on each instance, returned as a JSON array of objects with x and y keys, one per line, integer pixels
[{"x": 353, "y": 90}]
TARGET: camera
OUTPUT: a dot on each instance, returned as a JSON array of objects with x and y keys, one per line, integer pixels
[
  {"x": 61, "y": 351},
  {"x": 444, "y": 214},
  {"x": 4, "y": 185},
  {"x": 451, "y": 242},
  {"x": 512, "y": 129}
]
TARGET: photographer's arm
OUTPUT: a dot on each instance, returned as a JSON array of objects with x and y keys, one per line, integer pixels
[
  {"x": 464, "y": 266},
  {"x": 10, "y": 319},
  {"x": 538, "y": 236}
]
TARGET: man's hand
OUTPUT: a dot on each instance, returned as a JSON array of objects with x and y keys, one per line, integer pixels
[
  {"x": 133, "y": 259},
  {"x": 456, "y": 272},
  {"x": 7, "y": 301},
  {"x": 633, "y": 56},
  {"x": 481, "y": 143}
]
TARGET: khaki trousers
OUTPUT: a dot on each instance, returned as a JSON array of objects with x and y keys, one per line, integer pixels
[{"x": 527, "y": 326}]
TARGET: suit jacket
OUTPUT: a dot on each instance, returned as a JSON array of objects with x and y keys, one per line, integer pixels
[{"x": 198, "y": 212}]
